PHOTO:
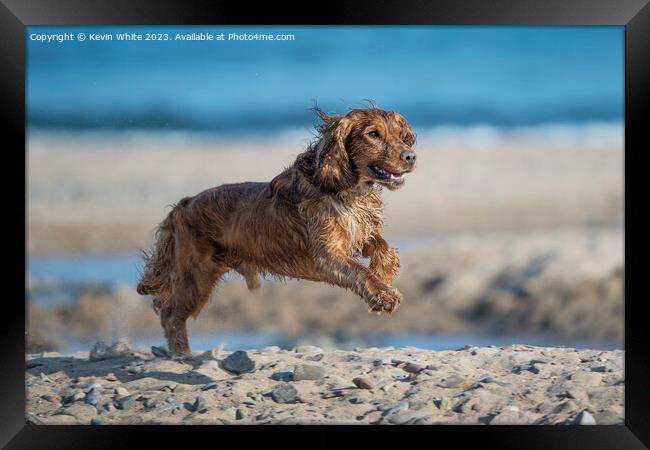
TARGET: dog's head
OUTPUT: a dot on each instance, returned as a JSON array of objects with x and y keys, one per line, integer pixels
[{"x": 364, "y": 146}]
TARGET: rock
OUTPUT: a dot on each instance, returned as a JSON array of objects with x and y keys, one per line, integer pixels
[
  {"x": 285, "y": 393},
  {"x": 125, "y": 402},
  {"x": 240, "y": 414},
  {"x": 238, "y": 363},
  {"x": 584, "y": 418},
  {"x": 363, "y": 383},
  {"x": 93, "y": 397},
  {"x": 413, "y": 368},
  {"x": 444, "y": 404},
  {"x": 77, "y": 396},
  {"x": 587, "y": 378},
  {"x": 400, "y": 407},
  {"x": 100, "y": 351},
  {"x": 282, "y": 376},
  {"x": 407, "y": 418},
  {"x": 111, "y": 377},
  {"x": 199, "y": 405},
  {"x": 599, "y": 369},
  {"x": 487, "y": 380},
  {"x": 308, "y": 349},
  {"x": 308, "y": 372},
  {"x": 122, "y": 391},
  {"x": 96, "y": 421},
  {"x": 159, "y": 352},
  {"x": 209, "y": 386},
  {"x": 90, "y": 386},
  {"x": 452, "y": 381}
]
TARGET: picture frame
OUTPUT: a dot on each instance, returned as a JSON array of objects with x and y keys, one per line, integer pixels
[{"x": 634, "y": 15}]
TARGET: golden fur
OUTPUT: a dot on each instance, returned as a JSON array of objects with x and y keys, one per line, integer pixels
[{"x": 312, "y": 221}]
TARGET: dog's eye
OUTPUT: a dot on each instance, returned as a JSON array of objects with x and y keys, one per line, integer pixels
[{"x": 373, "y": 134}]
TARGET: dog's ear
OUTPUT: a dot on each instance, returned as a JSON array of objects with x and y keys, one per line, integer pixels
[{"x": 334, "y": 171}]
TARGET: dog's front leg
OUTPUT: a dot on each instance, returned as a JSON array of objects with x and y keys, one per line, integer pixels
[
  {"x": 337, "y": 268},
  {"x": 384, "y": 261}
]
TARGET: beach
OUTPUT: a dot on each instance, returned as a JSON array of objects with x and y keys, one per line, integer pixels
[{"x": 514, "y": 385}]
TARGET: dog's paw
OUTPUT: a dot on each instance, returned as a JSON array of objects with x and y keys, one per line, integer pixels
[{"x": 384, "y": 301}]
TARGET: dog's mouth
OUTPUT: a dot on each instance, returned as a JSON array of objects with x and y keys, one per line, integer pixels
[{"x": 386, "y": 176}]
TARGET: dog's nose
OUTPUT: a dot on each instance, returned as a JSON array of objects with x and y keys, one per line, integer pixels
[{"x": 408, "y": 157}]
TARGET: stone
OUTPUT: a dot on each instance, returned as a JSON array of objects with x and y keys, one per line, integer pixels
[
  {"x": 400, "y": 407},
  {"x": 584, "y": 418},
  {"x": 282, "y": 376},
  {"x": 111, "y": 377},
  {"x": 122, "y": 391},
  {"x": 362, "y": 383},
  {"x": 285, "y": 393},
  {"x": 444, "y": 404},
  {"x": 413, "y": 368},
  {"x": 100, "y": 351},
  {"x": 125, "y": 402},
  {"x": 308, "y": 372},
  {"x": 240, "y": 414},
  {"x": 93, "y": 397},
  {"x": 308, "y": 349},
  {"x": 159, "y": 352},
  {"x": 238, "y": 363},
  {"x": 96, "y": 421},
  {"x": 199, "y": 405}
]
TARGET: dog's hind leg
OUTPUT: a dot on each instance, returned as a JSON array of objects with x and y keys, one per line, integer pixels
[{"x": 191, "y": 292}]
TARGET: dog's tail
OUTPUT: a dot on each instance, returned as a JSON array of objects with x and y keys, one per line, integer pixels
[{"x": 156, "y": 278}]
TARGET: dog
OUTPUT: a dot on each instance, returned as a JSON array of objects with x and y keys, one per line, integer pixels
[{"x": 312, "y": 221}]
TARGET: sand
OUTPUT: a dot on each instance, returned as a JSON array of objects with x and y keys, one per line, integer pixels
[{"x": 518, "y": 384}]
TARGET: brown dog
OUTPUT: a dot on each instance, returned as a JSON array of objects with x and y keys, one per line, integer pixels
[{"x": 312, "y": 221}]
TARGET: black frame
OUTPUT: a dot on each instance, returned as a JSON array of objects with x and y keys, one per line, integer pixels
[{"x": 15, "y": 15}]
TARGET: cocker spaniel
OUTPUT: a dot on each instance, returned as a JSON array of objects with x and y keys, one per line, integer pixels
[{"x": 312, "y": 221}]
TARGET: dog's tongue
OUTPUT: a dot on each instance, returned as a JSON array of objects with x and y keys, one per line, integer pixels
[{"x": 394, "y": 177}]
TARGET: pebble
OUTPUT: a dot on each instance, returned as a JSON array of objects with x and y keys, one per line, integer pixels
[
  {"x": 444, "y": 404},
  {"x": 90, "y": 386},
  {"x": 308, "y": 372},
  {"x": 93, "y": 397},
  {"x": 199, "y": 405},
  {"x": 403, "y": 406},
  {"x": 125, "y": 402},
  {"x": 238, "y": 363},
  {"x": 159, "y": 352},
  {"x": 282, "y": 376},
  {"x": 111, "y": 377},
  {"x": 285, "y": 393},
  {"x": 584, "y": 418},
  {"x": 96, "y": 421},
  {"x": 121, "y": 391},
  {"x": 240, "y": 414},
  {"x": 413, "y": 368},
  {"x": 209, "y": 386},
  {"x": 308, "y": 349},
  {"x": 100, "y": 351},
  {"x": 76, "y": 396},
  {"x": 363, "y": 383}
]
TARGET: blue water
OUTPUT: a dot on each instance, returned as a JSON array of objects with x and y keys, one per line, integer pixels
[{"x": 435, "y": 75}]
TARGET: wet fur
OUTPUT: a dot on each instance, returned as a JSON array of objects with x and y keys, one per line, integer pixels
[{"x": 312, "y": 222}]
